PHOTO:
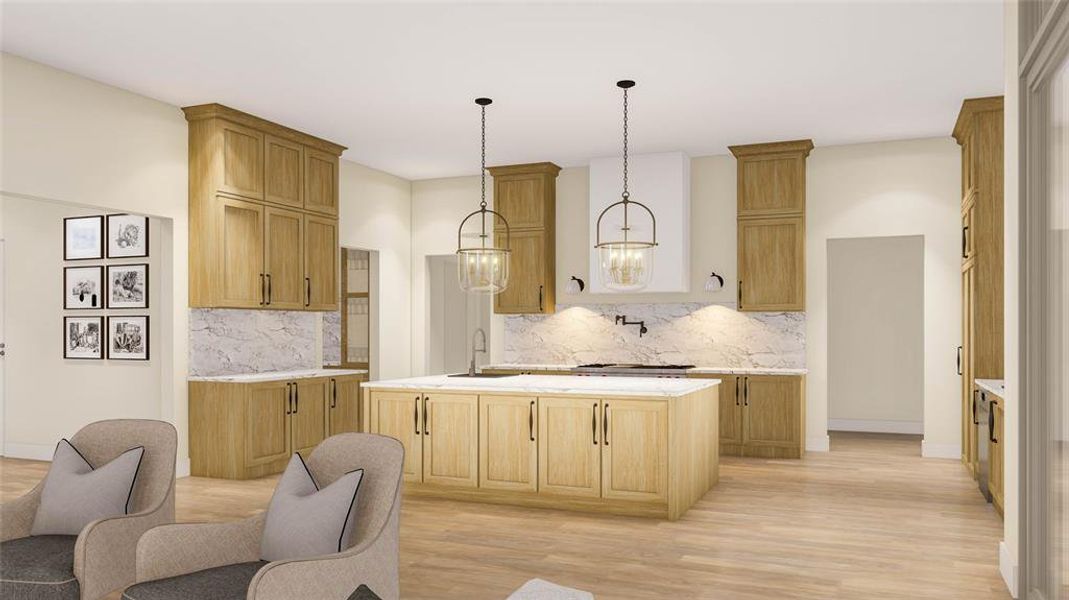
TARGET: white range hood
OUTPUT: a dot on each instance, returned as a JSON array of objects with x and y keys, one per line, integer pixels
[{"x": 661, "y": 182}]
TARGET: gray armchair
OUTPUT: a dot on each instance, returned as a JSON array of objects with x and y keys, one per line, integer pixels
[
  {"x": 184, "y": 560},
  {"x": 101, "y": 558}
]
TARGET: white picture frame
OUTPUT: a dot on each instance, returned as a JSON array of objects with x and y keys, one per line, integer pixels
[
  {"x": 83, "y": 238},
  {"x": 127, "y": 236}
]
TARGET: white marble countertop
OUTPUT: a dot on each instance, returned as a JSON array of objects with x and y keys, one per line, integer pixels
[
  {"x": 703, "y": 370},
  {"x": 993, "y": 386},
  {"x": 278, "y": 375},
  {"x": 552, "y": 384}
]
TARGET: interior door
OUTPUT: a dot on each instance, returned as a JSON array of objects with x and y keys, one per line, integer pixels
[
  {"x": 309, "y": 418},
  {"x": 526, "y": 290},
  {"x": 397, "y": 414},
  {"x": 267, "y": 423},
  {"x": 451, "y": 439},
  {"x": 508, "y": 447},
  {"x": 344, "y": 404},
  {"x": 569, "y": 448},
  {"x": 243, "y": 161},
  {"x": 321, "y": 181},
  {"x": 771, "y": 264},
  {"x": 634, "y": 455},
  {"x": 771, "y": 411},
  {"x": 730, "y": 415},
  {"x": 321, "y": 263},
  {"x": 242, "y": 269},
  {"x": 284, "y": 163},
  {"x": 284, "y": 254}
]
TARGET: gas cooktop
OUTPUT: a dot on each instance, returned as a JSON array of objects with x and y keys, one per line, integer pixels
[{"x": 631, "y": 369}]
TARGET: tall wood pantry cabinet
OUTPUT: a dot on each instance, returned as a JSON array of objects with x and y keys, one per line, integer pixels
[
  {"x": 979, "y": 132},
  {"x": 771, "y": 225},
  {"x": 526, "y": 196},
  {"x": 263, "y": 213}
]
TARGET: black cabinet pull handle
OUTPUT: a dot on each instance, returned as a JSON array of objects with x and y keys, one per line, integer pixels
[
  {"x": 268, "y": 288},
  {"x": 426, "y": 430},
  {"x": 736, "y": 391},
  {"x": 974, "y": 421},
  {"x": 289, "y": 398},
  {"x": 530, "y": 420},
  {"x": 262, "y": 293},
  {"x": 605, "y": 424},
  {"x": 541, "y": 298},
  {"x": 746, "y": 394},
  {"x": 740, "y": 294},
  {"x": 415, "y": 415},
  {"x": 959, "y": 361},
  {"x": 991, "y": 426},
  {"x": 307, "y": 291},
  {"x": 334, "y": 393},
  {"x": 964, "y": 244},
  {"x": 296, "y": 399},
  {"x": 594, "y": 423}
]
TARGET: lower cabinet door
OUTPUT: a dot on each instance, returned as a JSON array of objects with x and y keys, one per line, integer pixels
[
  {"x": 344, "y": 404},
  {"x": 309, "y": 417},
  {"x": 772, "y": 413},
  {"x": 730, "y": 415},
  {"x": 569, "y": 447},
  {"x": 996, "y": 462},
  {"x": 397, "y": 415},
  {"x": 508, "y": 447},
  {"x": 267, "y": 423},
  {"x": 634, "y": 455},
  {"x": 451, "y": 439}
]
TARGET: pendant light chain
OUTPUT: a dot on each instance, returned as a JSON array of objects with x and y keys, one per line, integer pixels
[
  {"x": 482, "y": 171},
  {"x": 626, "y": 194}
]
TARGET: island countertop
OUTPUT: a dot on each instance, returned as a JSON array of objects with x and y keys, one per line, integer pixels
[
  {"x": 551, "y": 384},
  {"x": 276, "y": 375},
  {"x": 698, "y": 370}
]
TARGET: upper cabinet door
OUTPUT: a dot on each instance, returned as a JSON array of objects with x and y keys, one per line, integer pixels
[
  {"x": 634, "y": 457},
  {"x": 521, "y": 199},
  {"x": 508, "y": 447},
  {"x": 284, "y": 163},
  {"x": 241, "y": 266},
  {"x": 284, "y": 257},
  {"x": 771, "y": 185},
  {"x": 320, "y": 263},
  {"x": 451, "y": 440},
  {"x": 309, "y": 415},
  {"x": 320, "y": 182},
  {"x": 527, "y": 289},
  {"x": 243, "y": 160},
  {"x": 569, "y": 446},
  {"x": 771, "y": 264}
]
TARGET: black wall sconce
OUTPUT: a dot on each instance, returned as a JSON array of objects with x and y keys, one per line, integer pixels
[{"x": 574, "y": 286}]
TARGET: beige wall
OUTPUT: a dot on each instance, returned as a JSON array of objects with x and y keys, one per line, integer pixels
[{"x": 876, "y": 334}]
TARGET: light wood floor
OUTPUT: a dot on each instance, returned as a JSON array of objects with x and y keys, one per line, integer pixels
[{"x": 870, "y": 519}]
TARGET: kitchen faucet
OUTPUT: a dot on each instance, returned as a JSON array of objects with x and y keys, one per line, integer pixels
[{"x": 478, "y": 333}]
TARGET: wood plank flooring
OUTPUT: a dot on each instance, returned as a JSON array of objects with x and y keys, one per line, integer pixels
[{"x": 870, "y": 519}]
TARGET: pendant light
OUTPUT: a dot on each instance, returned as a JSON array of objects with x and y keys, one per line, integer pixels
[
  {"x": 626, "y": 264},
  {"x": 483, "y": 268}
]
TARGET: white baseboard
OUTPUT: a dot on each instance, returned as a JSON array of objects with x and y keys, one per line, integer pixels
[
  {"x": 930, "y": 450},
  {"x": 29, "y": 451},
  {"x": 1007, "y": 566},
  {"x": 818, "y": 444},
  {"x": 874, "y": 426},
  {"x": 181, "y": 468}
]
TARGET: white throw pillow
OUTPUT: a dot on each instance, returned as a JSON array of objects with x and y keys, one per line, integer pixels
[
  {"x": 75, "y": 494},
  {"x": 304, "y": 521}
]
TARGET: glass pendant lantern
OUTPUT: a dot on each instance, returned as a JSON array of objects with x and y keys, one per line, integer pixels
[
  {"x": 626, "y": 264},
  {"x": 483, "y": 266}
]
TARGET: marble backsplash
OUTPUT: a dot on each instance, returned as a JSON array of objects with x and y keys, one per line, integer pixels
[
  {"x": 332, "y": 338},
  {"x": 711, "y": 335},
  {"x": 231, "y": 341}
]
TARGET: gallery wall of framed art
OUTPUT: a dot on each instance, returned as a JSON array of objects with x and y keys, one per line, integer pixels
[{"x": 115, "y": 284}]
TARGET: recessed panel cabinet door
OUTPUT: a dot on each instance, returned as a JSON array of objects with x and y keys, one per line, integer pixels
[
  {"x": 321, "y": 263},
  {"x": 521, "y": 200},
  {"x": 730, "y": 415},
  {"x": 397, "y": 414},
  {"x": 309, "y": 415},
  {"x": 243, "y": 160},
  {"x": 451, "y": 440},
  {"x": 508, "y": 447},
  {"x": 996, "y": 465},
  {"x": 526, "y": 290},
  {"x": 241, "y": 257},
  {"x": 284, "y": 161},
  {"x": 634, "y": 457},
  {"x": 771, "y": 411},
  {"x": 771, "y": 264},
  {"x": 344, "y": 405},
  {"x": 267, "y": 423},
  {"x": 321, "y": 182},
  {"x": 771, "y": 184},
  {"x": 569, "y": 447},
  {"x": 283, "y": 254}
]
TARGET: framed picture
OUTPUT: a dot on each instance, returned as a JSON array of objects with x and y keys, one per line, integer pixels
[
  {"x": 83, "y": 337},
  {"x": 128, "y": 286},
  {"x": 127, "y": 236},
  {"x": 128, "y": 338},
  {"x": 83, "y": 238},
  {"x": 83, "y": 288}
]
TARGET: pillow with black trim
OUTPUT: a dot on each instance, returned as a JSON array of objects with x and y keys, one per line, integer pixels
[
  {"x": 304, "y": 521},
  {"x": 75, "y": 493}
]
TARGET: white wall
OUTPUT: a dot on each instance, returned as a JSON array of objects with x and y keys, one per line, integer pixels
[
  {"x": 875, "y": 320},
  {"x": 890, "y": 189}
]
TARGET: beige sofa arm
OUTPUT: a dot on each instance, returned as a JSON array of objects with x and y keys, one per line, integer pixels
[
  {"x": 374, "y": 563},
  {"x": 105, "y": 553},
  {"x": 16, "y": 516},
  {"x": 183, "y": 548}
]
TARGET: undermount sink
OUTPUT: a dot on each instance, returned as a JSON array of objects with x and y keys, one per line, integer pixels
[{"x": 482, "y": 375}]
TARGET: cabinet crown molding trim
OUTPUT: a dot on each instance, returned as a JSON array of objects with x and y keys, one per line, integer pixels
[
  {"x": 800, "y": 146},
  {"x": 969, "y": 108},
  {"x": 525, "y": 169},
  {"x": 219, "y": 111}
]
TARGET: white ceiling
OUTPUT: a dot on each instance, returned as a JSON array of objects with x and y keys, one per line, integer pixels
[{"x": 395, "y": 82}]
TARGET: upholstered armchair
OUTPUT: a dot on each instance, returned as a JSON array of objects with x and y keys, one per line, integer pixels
[
  {"x": 101, "y": 559},
  {"x": 184, "y": 560}
]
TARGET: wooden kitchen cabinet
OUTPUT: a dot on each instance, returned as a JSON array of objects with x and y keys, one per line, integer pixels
[
  {"x": 771, "y": 225},
  {"x": 263, "y": 205},
  {"x": 761, "y": 415},
  {"x": 996, "y": 463},
  {"x": 267, "y": 429},
  {"x": 569, "y": 451},
  {"x": 344, "y": 405},
  {"x": 508, "y": 447},
  {"x": 634, "y": 456},
  {"x": 525, "y": 195},
  {"x": 731, "y": 443},
  {"x": 398, "y": 415},
  {"x": 308, "y": 419},
  {"x": 451, "y": 439}
]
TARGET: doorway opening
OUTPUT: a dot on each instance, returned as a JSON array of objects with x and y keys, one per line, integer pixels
[{"x": 458, "y": 323}]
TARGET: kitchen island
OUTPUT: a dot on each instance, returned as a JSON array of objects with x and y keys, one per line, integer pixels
[{"x": 622, "y": 445}]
